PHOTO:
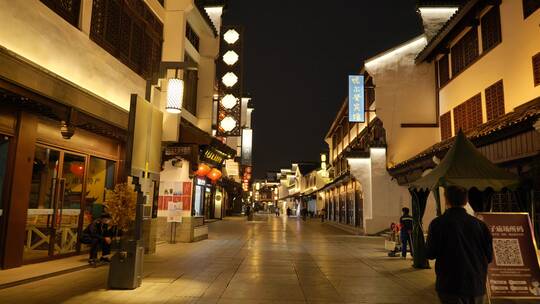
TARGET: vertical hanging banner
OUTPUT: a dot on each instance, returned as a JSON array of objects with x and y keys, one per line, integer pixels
[
  {"x": 515, "y": 271},
  {"x": 356, "y": 99}
]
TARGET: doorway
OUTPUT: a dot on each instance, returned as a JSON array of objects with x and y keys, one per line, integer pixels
[{"x": 54, "y": 211}]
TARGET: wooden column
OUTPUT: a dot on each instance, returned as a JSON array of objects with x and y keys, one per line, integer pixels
[{"x": 19, "y": 190}]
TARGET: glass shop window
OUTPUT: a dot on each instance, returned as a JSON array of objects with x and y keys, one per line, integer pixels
[{"x": 100, "y": 178}]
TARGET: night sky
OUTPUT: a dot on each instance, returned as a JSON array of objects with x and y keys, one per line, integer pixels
[{"x": 298, "y": 55}]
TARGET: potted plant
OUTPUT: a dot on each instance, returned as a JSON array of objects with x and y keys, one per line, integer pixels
[
  {"x": 120, "y": 204},
  {"x": 125, "y": 271}
]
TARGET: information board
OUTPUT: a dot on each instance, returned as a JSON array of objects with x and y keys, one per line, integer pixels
[
  {"x": 514, "y": 272},
  {"x": 175, "y": 212}
]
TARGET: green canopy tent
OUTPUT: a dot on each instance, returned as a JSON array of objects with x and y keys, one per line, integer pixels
[{"x": 463, "y": 166}]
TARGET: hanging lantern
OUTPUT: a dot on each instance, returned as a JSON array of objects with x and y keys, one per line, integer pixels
[
  {"x": 230, "y": 58},
  {"x": 231, "y": 36},
  {"x": 229, "y": 101},
  {"x": 214, "y": 175},
  {"x": 229, "y": 79},
  {"x": 228, "y": 124},
  {"x": 203, "y": 170},
  {"x": 175, "y": 95},
  {"x": 77, "y": 169}
]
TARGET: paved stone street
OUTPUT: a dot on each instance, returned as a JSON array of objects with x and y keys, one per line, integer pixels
[{"x": 271, "y": 260}]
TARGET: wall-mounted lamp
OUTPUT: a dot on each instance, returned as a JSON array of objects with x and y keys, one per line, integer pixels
[{"x": 175, "y": 95}]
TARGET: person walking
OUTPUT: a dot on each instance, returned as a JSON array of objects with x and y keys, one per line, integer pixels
[
  {"x": 462, "y": 247},
  {"x": 323, "y": 214},
  {"x": 406, "y": 224},
  {"x": 98, "y": 235}
]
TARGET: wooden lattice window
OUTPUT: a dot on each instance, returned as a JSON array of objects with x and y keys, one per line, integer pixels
[
  {"x": 192, "y": 36},
  {"x": 468, "y": 114},
  {"x": 536, "y": 69},
  {"x": 67, "y": 9},
  {"x": 370, "y": 92},
  {"x": 491, "y": 29},
  {"x": 191, "y": 78},
  {"x": 128, "y": 30},
  {"x": 495, "y": 100},
  {"x": 465, "y": 51},
  {"x": 446, "y": 126},
  {"x": 530, "y": 6},
  {"x": 444, "y": 70}
]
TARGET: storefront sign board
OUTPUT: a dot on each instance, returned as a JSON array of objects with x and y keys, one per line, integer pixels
[{"x": 356, "y": 99}]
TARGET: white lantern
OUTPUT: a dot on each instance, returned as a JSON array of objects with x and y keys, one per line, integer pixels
[
  {"x": 230, "y": 58},
  {"x": 229, "y": 79},
  {"x": 228, "y": 124},
  {"x": 175, "y": 95},
  {"x": 231, "y": 36},
  {"x": 229, "y": 101}
]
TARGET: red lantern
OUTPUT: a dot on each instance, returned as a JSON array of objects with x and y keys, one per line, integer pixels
[
  {"x": 77, "y": 168},
  {"x": 203, "y": 170},
  {"x": 214, "y": 175}
]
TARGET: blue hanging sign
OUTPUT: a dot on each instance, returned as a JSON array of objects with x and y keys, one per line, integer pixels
[{"x": 356, "y": 99}]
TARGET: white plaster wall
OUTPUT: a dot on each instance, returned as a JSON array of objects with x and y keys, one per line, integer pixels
[
  {"x": 385, "y": 195},
  {"x": 361, "y": 170},
  {"x": 205, "y": 93},
  {"x": 175, "y": 174},
  {"x": 35, "y": 32},
  {"x": 511, "y": 61},
  {"x": 405, "y": 93}
]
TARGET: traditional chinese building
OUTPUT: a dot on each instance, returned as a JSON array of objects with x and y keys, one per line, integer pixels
[
  {"x": 400, "y": 116},
  {"x": 486, "y": 60}
]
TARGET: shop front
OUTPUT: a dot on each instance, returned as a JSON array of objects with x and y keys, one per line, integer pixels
[
  {"x": 53, "y": 176},
  {"x": 343, "y": 202}
]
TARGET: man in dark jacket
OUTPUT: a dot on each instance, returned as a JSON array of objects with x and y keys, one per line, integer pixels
[
  {"x": 406, "y": 224},
  {"x": 98, "y": 235},
  {"x": 462, "y": 245}
]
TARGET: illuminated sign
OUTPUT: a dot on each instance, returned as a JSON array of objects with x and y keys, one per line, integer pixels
[
  {"x": 247, "y": 146},
  {"x": 213, "y": 156},
  {"x": 356, "y": 99},
  {"x": 228, "y": 115}
]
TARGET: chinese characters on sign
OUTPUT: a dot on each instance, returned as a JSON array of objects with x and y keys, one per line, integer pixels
[
  {"x": 356, "y": 99},
  {"x": 514, "y": 272}
]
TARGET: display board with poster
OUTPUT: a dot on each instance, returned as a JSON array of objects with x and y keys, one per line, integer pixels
[
  {"x": 515, "y": 271},
  {"x": 175, "y": 212}
]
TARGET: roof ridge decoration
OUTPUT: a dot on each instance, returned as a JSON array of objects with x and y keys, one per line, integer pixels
[
  {"x": 201, "y": 4},
  {"x": 440, "y": 3},
  {"x": 464, "y": 9}
]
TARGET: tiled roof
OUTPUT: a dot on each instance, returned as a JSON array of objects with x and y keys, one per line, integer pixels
[
  {"x": 447, "y": 28},
  {"x": 201, "y": 4},
  {"x": 441, "y": 3},
  {"x": 527, "y": 112}
]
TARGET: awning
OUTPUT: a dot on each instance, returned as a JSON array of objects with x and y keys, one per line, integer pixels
[
  {"x": 204, "y": 147},
  {"x": 466, "y": 167}
]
